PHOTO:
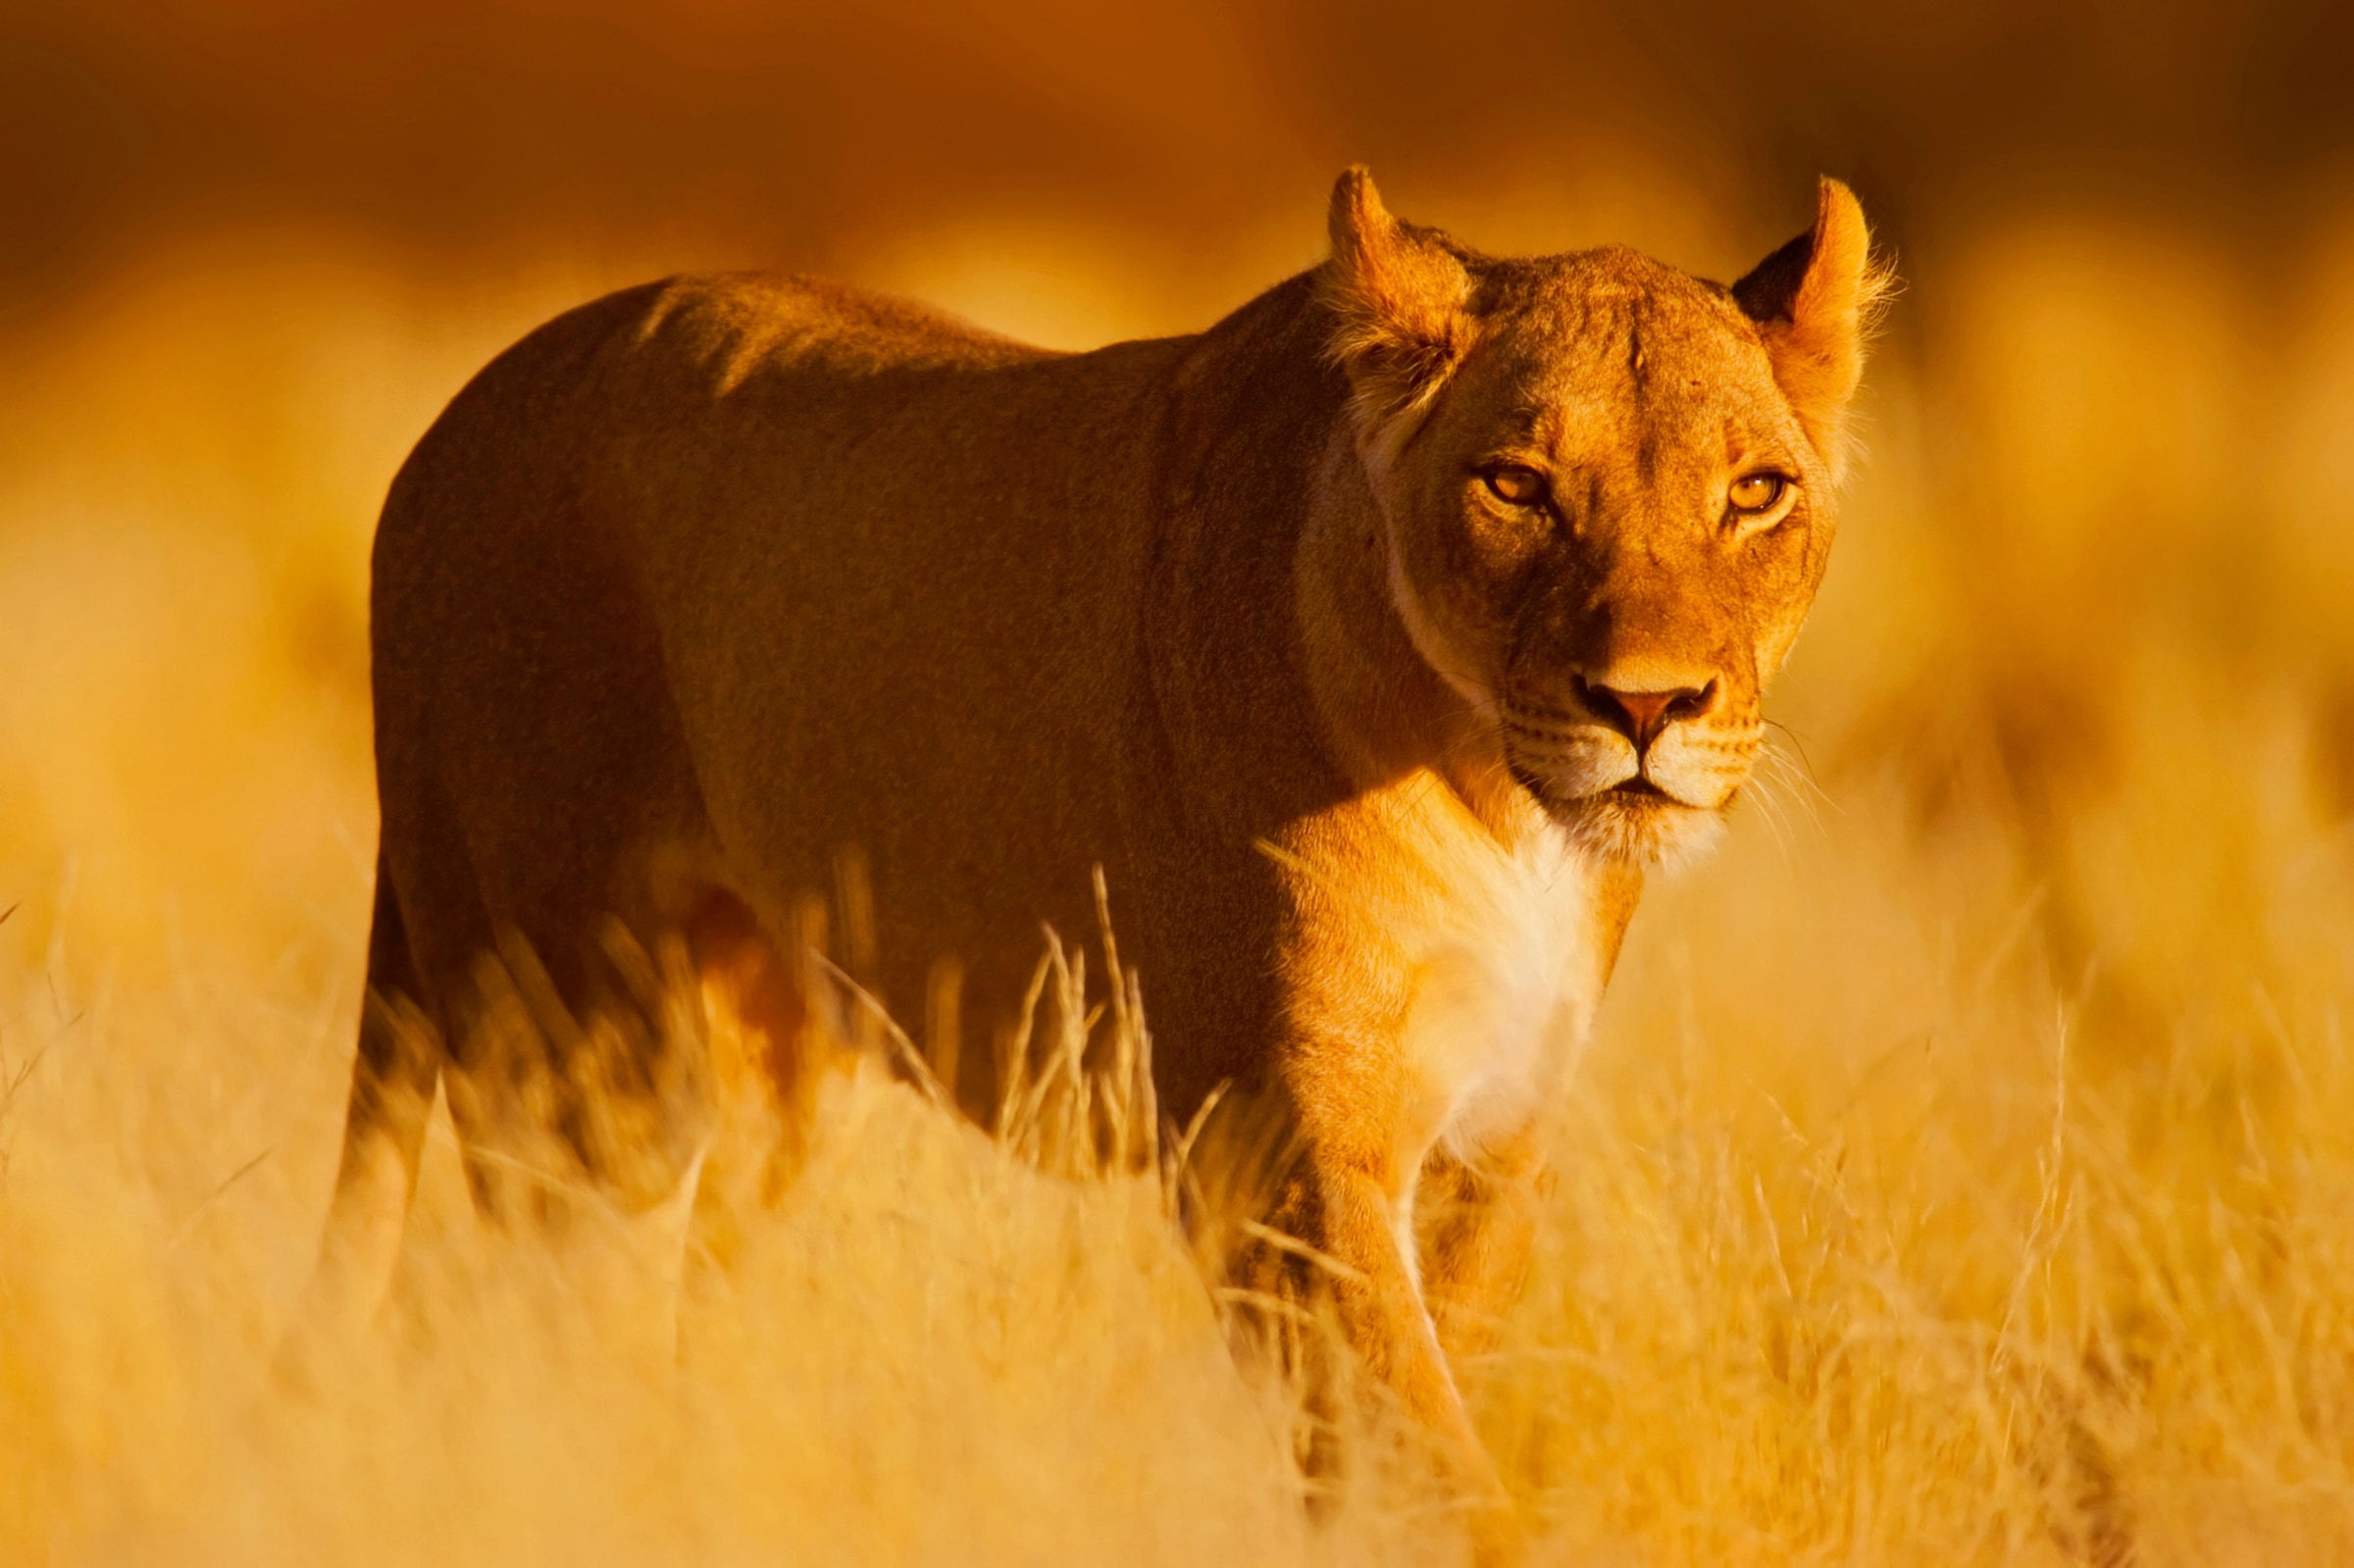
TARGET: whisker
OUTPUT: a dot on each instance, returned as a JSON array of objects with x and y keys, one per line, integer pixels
[
  {"x": 1769, "y": 811},
  {"x": 1801, "y": 765},
  {"x": 1801, "y": 780}
]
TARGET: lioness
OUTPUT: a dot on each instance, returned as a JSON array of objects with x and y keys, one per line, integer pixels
[{"x": 1374, "y": 641}]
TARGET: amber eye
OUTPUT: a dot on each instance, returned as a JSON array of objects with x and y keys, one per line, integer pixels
[
  {"x": 1517, "y": 484},
  {"x": 1758, "y": 492}
]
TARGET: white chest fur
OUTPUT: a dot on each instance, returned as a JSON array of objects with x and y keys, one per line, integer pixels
[{"x": 1507, "y": 977}]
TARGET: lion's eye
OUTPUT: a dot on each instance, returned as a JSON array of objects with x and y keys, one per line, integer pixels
[
  {"x": 1517, "y": 484},
  {"x": 1758, "y": 492}
]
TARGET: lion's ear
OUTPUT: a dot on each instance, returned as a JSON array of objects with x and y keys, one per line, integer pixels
[
  {"x": 1398, "y": 295},
  {"x": 1813, "y": 301}
]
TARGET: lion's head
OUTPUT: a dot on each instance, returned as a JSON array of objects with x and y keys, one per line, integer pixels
[{"x": 1608, "y": 489}]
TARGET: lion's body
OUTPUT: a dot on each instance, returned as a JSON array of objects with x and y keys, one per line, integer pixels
[
  {"x": 809, "y": 573},
  {"x": 704, "y": 585}
]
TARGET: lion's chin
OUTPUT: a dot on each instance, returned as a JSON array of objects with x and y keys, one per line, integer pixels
[
  {"x": 1632, "y": 822},
  {"x": 1641, "y": 825}
]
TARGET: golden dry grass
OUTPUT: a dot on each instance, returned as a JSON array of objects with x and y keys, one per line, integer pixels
[{"x": 1962, "y": 1171}]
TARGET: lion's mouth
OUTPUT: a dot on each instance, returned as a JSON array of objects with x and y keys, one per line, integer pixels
[
  {"x": 1635, "y": 791},
  {"x": 1635, "y": 821}
]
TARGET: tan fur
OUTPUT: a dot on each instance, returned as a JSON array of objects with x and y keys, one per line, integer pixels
[{"x": 702, "y": 583}]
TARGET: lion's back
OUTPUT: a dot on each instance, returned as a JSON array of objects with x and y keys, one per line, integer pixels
[
  {"x": 672, "y": 406},
  {"x": 730, "y": 327}
]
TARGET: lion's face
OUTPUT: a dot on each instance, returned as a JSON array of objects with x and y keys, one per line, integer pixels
[
  {"x": 1609, "y": 528},
  {"x": 1608, "y": 509}
]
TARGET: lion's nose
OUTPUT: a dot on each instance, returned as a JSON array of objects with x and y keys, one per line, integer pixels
[{"x": 1640, "y": 716}]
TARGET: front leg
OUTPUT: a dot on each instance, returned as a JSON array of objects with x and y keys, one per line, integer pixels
[
  {"x": 1475, "y": 1222},
  {"x": 1379, "y": 1306},
  {"x": 1351, "y": 1205}
]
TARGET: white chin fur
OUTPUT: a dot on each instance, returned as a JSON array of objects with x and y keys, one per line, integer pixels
[{"x": 1639, "y": 832}]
